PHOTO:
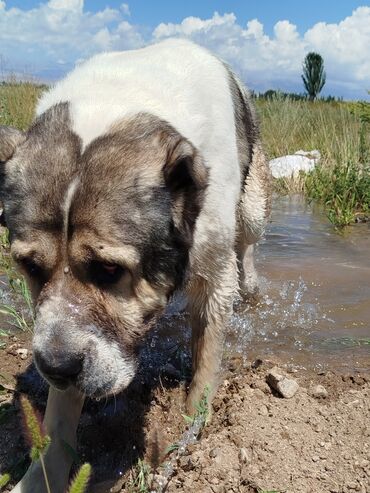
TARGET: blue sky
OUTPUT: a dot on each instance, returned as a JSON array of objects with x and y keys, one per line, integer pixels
[
  {"x": 301, "y": 13},
  {"x": 265, "y": 41}
]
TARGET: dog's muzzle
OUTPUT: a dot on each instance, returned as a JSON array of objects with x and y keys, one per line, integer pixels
[{"x": 61, "y": 369}]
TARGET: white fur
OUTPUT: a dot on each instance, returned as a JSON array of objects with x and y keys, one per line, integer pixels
[
  {"x": 179, "y": 82},
  {"x": 71, "y": 190}
]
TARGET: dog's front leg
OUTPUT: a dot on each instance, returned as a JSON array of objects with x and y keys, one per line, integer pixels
[
  {"x": 62, "y": 415},
  {"x": 210, "y": 299}
]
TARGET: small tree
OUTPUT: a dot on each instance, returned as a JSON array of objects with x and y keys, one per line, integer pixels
[{"x": 314, "y": 76}]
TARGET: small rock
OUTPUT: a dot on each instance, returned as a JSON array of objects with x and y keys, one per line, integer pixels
[
  {"x": 244, "y": 456},
  {"x": 319, "y": 392},
  {"x": 287, "y": 387},
  {"x": 261, "y": 385},
  {"x": 318, "y": 428},
  {"x": 214, "y": 452},
  {"x": 186, "y": 464},
  {"x": 257, "y": 363},
  {"x": 352, "y": 485},
  {"x": 263, "y": 411},
  {"x": 334, "y": 489},
  {"x": 22, "y": 353},
  {"x": 315, "y": 458}
]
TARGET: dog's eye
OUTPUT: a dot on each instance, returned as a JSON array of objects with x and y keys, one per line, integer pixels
[
  {"x": 102, "y": 273},
  {"x": 33, "y": 269}
]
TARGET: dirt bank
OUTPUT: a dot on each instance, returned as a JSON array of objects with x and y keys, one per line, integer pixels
[{"x": 318, "y": 441}]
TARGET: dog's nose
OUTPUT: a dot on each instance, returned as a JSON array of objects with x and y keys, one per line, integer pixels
[{"x": 60, "y": 369}]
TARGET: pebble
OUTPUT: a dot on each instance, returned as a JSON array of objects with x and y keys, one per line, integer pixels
[
  {"x": 214, "y": 452},
  {"x": 186, "y": 464},
  {"x": 352, "y": 485},
  {"x": 244, "y": 456},
  {"x": 263, "y": 411},
  {"x": 157, "y": 481},
  {"x": 319, "y": 392},
  {"x": 287, "y": 387},
  {"x": 22, "y": 353}
]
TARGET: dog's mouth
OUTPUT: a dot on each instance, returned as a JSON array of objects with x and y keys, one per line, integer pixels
[
  {"x": 90, "y": 389},
  {"x": 58, "y": 383}
]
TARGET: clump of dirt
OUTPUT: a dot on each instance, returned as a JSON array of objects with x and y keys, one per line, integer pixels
[{"x": 317, "y": 441}]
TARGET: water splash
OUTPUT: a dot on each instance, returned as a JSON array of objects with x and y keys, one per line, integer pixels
[{"x": 281, "y": 317}]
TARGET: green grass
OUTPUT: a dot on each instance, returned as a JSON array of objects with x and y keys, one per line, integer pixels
[
  {"x": 140, "y": 478},
  {"x": 341, "y": 132},
  {"x": 344, "y": 190},
  {"x": 201, "y": 410},
  {"x": 22, "y": 316},
  {"x": 17, "y": 103}
]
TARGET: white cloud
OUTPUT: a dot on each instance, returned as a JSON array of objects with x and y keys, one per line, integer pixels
[
  {"x": 273, "y": 61},
  {"x": 41, "y": 37},
  {"x": 346, "y": 45},
  {"x": 75, "y": 5},
  {"x": 125, "y": 9},
  {"x": 61, "y": 29}
]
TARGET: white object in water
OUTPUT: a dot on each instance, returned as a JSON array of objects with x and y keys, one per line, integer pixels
[{"x": 287, "y": 166}]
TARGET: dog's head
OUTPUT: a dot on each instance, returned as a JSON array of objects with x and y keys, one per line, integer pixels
[{"x": 102, "y": 235}]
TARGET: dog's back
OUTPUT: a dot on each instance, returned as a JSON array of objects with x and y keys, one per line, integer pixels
[{"x": 188, "y": 87}]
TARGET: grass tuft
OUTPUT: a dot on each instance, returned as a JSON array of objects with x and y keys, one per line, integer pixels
[
  {"x": 21, "y": 318},
  {"x": 201, "y": 409},
  {"x": 81, "y": 480},
  {"x": 140, "y": 479},
  {"x": 34, "y": 431},
  {"x": 4, "y": 480},
  {"x": 343, "y": 189},
  {"x": 38, "y": 439}
]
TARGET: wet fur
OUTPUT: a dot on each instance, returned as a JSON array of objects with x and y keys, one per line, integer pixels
[{"x": 170, "y": 185}]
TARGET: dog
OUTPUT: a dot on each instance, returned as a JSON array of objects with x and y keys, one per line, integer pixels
[{"x": 142, "y": 174}]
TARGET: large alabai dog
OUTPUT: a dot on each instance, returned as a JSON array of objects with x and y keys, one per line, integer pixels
[{"x": 141, "y": 175}]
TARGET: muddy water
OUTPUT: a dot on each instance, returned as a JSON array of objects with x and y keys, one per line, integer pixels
[
  {"x": 314, "y": 309},
  {"x": 315, "y": 306}
]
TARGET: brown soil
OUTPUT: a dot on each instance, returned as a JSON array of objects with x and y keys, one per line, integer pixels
[{"x": 256, "y": 441}]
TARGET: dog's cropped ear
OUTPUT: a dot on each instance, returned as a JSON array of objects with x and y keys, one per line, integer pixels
[
  {"x": 186, "y": 177},
  {"x": 10, "y": 138}
]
